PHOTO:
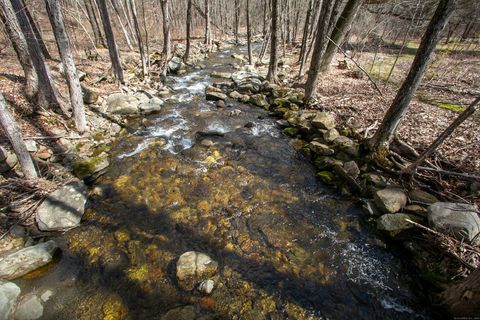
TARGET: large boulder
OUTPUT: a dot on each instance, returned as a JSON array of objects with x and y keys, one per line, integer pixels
[
  {"x": 194, "y": 267},
  {"x": 324, "y": 120},
  {"x": 26, "y": 260},
  {"x": 153, "y": 105},
  {"x": 457, "y": 219},
  {"x": 390, "y": 200},
  {"x": 63, "y": 209},
  {"x": 123, "y": 104},
  {"x": 9, "y": 293},
  {"x": 175, "y": 65}
]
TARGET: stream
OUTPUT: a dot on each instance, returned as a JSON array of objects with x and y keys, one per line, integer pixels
[{"x": 226, "y": 182}]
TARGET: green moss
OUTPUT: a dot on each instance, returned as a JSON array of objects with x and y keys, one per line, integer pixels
[
  {"x": 439, "y": 102},
  {"x": 326, "y": 176},
  {"x": 452, "y": 107},
  {"x": 98, "y": 136},
  {"x": 291, "y": 131},
  {"x": 86, "y": 167},
  {"x": 100, "y": 149}
]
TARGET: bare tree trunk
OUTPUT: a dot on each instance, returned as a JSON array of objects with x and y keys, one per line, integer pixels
[
  {"x": 273, "y": 65},
  {"x": 463, "y": 300},
  {"x": 208, "y": 37},
  {"x": 47, "y": 96},
  {"x": 36, "y": 32},
  {"x": 338, "y": 34},
  {"x": 15, "y": 137},
  {"x": 167, "y": 47},
  {"x": 321, "y": 43},
  {"x": 249, "y": 35},
  {"x": 189, "y": 22},
  {"x": 445, "y": 134},
  {"x": 56, "y": 19},
  {"x": 7, "y": 16},
  {"x": 384, "y": 135},
  {"x": 237, "y": 21},
  {"x": 124, "y": 30},
  {"x": 139, "y": 37},
  {"x": 112, "y": 46},
  {"x": 92, "y": 18},
  {"x": 303, "y": 49}
]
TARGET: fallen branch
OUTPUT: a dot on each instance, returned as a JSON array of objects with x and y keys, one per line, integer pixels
[
  {"x": 359, "y": 66},
  {"x": 466, "y": 176}
]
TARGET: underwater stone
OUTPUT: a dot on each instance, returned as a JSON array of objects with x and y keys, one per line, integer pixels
[
  {"x": 29, "y": 308},
  {"x": 63, "y": 209},
  {"x": 26, "y": 260},
  {"x": 394, "y": 223},
  {"x": 194, "y": 267},
  {"x": 206, "y": 286}
]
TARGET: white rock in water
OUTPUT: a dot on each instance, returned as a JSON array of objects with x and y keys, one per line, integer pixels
[
  {"x": 63, "y": 209},
  {"x": 206, "y": 286},
  {"x": 29, "y": 308},
  {"x": 9, "y": 293},
  {"x": 26, "y": 260},
  {"x": 194, "y": 267}
]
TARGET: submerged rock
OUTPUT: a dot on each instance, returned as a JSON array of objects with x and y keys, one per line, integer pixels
[
  {"x": 9, "y": 293},
  {"x": 457, "y": 219},
  {"x": 181, "y": 313},
  {"x": 390, "y": 200},
  {"x": 206, "y": 286},
  {"x": 29, "y": 308},
  {"x": 194, "y": 267},
  {"x": 26, "y": 260},
  {"x": 63, "y": 209}
]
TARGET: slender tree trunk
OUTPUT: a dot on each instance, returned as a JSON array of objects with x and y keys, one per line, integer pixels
[
  {"x": 167, "y": 47},
  {"x": 208, "y": 40},
  {"x": 272, "y": 75},
  {"x": 124, "y": 30},
  {"x": 14, "y": 135},
  {"x": 305, "y": 31},
  {"x": 189, "y": 22},
  {"x": 237, "y": 21},
  {"x": 7, "y": 16},
  {"x": 249, "y": 35},
  {"x": 36, "y": 31},
  {"x": 112, "y": 46},
  {"x": 340, "y": 30},
  {"x": 472, "y": 108},
  {"x": 92, "y": 18},
  {"x": 141, "y": 48},
  {"x": 318, "y": 50},
  {"x": 47, "y": 95},
  {"x": 384, "y": 135},
  {"x": 56, "y": 19}
]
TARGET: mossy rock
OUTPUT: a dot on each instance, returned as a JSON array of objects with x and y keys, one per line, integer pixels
[
  {"x": 291, "y": 131},
  {"x": 89, "y": 168},
  {"x": 326, "y": 177},
  {"x": 281, "y": 102},
  {"x": 280, "y": 111}
]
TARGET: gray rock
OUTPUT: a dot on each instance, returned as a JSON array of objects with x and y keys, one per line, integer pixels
[
  {"x": 207, "y": 143},
  {"x": 323, "y": 120},
  {"x": 3, "y": 153},
  {"x": 235, "y": 95},
  {"x": 239, "y": 57},
  {"x": 321, "y": 149},
  {"x": 394, "y": 223},
  {"x": 29, "y": 308},
  {"x": 9, "y": 162},
  {"x": 143, "y": 96},
  {"x": 457, "y": 219},
  {"x": 347, "y": 145},
  {"x": 26, "y": 260},
  {"x": 352, "y": 169},
  {"x": 153, "y": 105},
  {"x": 89, "y": 95},
  {"x": 63, "y": 209},
  {"x": 120, "y": 103},
  {"x": 175, "y": 65},
  {"x": 331, "y": 135},
  {"x": 421, "y": 197},
  {"x": 224, "y": 75},
  {"x": 215, "y": 96},
  {"x": 194, "y": 267},
  {"x": 390, "y": 200},
  {"x": 206, "y": 286},
  {"x": 31, "y": 145},
  {"x": 260, "y": 101},
  {"x": 9, "y": 293},
  {"x": 375, "y": 179}
]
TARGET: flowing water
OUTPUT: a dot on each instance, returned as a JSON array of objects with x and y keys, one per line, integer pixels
[{"x": 287, "y": 246}]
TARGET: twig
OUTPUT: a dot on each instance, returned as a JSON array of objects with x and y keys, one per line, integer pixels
[
  {"x": 451, "y": 173},
  {"x": 359, "y": 66}
]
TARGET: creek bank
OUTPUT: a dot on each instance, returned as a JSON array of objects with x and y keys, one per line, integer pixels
[{"x": 342, "y": 161}]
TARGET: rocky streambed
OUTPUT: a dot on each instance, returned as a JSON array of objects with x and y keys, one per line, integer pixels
[{"x": 211, "y": 208}]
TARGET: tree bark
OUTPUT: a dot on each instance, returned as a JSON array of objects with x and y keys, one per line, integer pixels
[
  {"x": 92, "y": 18},
  {"x": 76, "y": 99},
  {"x": 15, "y": 137},
  {"x": 249, "y": 35},
  {"x": 167, "y": 48},
  {"x": 384, "y": 135},
  {"x": 318, "y": 49},
  {"x": 124, "y": 30},
  {"x": 112, "y": 46},
  {"x": 340, "y": 30},
  {"x": 273, "y": 65},
  {"x": 7, "y": 16},
  {"x": 237, "y": 21},
  {"x": 47, "y": 96},
  {"x": 139, "y": 37},
  {"x": 305, "y": 31},
  {"x": 189, "y": 23},
  {"x": 208, "y": 36}
]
